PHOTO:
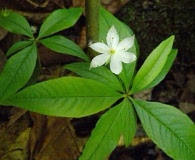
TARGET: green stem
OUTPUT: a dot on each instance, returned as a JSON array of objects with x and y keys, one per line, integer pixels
[{"x": 92, "y": 22}]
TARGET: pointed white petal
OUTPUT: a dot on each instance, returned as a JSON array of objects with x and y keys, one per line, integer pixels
[
  {"x": 99, "y": 60},
  {"x": 112, "y": 38},
  {"x": 100, "y": 47},
  {"x": 126, "y": 57},
  {"x": 115, "y": 65},
  {"x": 125, "y": 44}
]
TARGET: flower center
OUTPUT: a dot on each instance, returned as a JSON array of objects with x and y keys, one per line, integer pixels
[{"x": 112, "y": 51}]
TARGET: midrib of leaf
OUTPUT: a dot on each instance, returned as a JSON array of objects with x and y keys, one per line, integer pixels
[
  {"x": 61, "y": 97},
  {"x": 163, "y": 124}
]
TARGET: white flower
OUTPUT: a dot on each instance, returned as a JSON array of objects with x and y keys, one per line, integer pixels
[{"x": 114, "y": 51}]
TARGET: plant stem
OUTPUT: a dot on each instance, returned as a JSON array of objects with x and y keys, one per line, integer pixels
[{"x": 92, "y": 22}]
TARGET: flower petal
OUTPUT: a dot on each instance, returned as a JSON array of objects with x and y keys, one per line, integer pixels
[
  {"x": 112, "y": 38},
  {"x": 115, "y": 65},
  {"x": 125, "y": 44},
  {"x": 126, "y": 57},
  {"x": 99, "y": 60},
  {"x": 100, "y": 47}
]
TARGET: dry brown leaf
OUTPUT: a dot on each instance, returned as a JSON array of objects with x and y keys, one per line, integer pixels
[
  {"x": 144, "y": 95},
  {"x": 186, "y": 107},
  {"x": 187, "y": 98},
  {"x": 14, "y": 139},
  {"x": 3, "y": 33},
  {"x": 44, "y": 5},
  {"x": 78, "y": 3},
  {"x": 18, "y": 150},
  {"x": 114, "y": 5},
  {"x": 2, "y": 59},
  {"x": 16, "y": 115},
  {"x": 37, "y": 133},
  {"x": 53, "y": 138},
  {"x": 191, "y": 84}
]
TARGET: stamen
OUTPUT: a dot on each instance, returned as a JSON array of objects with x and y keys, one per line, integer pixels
[{"x": 112, "y": 51}]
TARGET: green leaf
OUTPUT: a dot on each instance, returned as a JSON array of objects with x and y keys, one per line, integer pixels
[
  {"x": 59, "y": 20},
  {"x": 63, "y": 45},
  {"x": 129, "y": 124},
  {"x": 107, "y": 20},
  {"x": 153, "y": 66},
  {"x": 15, "y": 23},
  {"x": 169, "y": 128},
  {"x": 100, "y": 74},
  {"x": 17, "y": 71},
  {"x": 108, "y": 130},
  {"x": 165, "y": 69},
  {"x": 18, "y": 46},
  {"x": 65, "y": 97},
  {"x": 127, "y": 74}
]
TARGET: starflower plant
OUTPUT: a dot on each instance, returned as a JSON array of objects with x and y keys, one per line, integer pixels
[
  {"x": 114, "y": 51},
  {"x": 97, "y": 90}
]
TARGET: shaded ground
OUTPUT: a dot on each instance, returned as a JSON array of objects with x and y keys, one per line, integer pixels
[{"x": 25, "y": 135}]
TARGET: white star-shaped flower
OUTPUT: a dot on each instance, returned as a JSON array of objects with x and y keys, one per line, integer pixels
[{"x": 114, "y": 51}]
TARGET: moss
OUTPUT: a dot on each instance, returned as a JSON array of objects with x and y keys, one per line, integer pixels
[{"x": 154, "y": 20}]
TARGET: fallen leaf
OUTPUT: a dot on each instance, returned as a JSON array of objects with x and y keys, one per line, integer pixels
[
  {"x": 53, "y": 138},
  {"x": 18, "y": 150},
  {"x": 17, "y": 114}
]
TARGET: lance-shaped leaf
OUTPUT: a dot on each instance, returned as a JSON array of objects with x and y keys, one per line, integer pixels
[
  {"x": 127, "y": 74},
  {"x": 168, "y": 127},
  {"x": 59, "y": 20},
  {"x": 100, "y": 74},
  {"x": 105, "y": 137},
  {"x": 15, "y": 23},
  {"x": 106, "y": 21},
  {"x": 17, "y": 71},
  {"x": 18, "y": 46},
  {"x": 165, "y": 69},
  {"x": 65, "y": 97},
  {"x": 129, "y": 124},
  {"x": 155, "y": 65},
  {"x": 63, "y": 45}
]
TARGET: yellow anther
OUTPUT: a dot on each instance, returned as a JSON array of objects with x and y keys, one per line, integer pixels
[{"x": 112, "y": 51}]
